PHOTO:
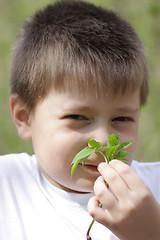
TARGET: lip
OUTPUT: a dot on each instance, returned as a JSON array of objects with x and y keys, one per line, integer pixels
[{"x": 90, "y": 166}]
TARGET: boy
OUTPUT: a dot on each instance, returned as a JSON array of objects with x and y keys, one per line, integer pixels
[{"x": 78, "y": 72}]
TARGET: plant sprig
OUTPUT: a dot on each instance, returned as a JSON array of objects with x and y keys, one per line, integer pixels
[{"x": 113, "y": 150}]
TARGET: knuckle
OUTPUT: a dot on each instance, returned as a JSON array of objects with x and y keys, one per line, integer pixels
[
  {"x": 124, "y": 171},
  {"x": 91, "y": 211},
  {"x": 132, "y": 209},
  {"x": 145, "y": 195},
  {"x": 99, "y": 187},
  {"x": 92, "y": 205},
  {"x": 99, "y": 193},
  {"x": 128, "y": 211},
  {"x": 115, "y": 225},
  {"x": 112, "y": 178},
  {"x": 141, "y": 197}
]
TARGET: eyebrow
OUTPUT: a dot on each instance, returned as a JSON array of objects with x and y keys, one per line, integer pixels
[
  {"x": 128, "y": 109},
  {"x": 86, "y": 108},
  {"x": 79, "y": 108}
]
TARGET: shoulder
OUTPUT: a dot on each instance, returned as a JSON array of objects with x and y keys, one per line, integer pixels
[
  {"x": 149, "y": 170},
  {"x": 12, "y": 164},
  {"x": 150, "y": 174},
  {"x": 146, "y": 167}
]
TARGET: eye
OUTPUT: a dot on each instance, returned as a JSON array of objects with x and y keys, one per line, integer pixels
[
  {"x": 76, "y": 117},
  {"x": 123, "y": 119}
]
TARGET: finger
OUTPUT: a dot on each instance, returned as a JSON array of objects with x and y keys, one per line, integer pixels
[
  {"x": 116, "y": 183},
  {"x": 130, "y": 177},
  {"x": 99, "y": 214},
  {"x": 104, "y": 195}
]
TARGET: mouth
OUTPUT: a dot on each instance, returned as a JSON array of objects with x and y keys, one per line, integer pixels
[{"x": 90, "y": 166}]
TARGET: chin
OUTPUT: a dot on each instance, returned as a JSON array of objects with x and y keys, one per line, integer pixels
[{"x": 83, "y": 189}]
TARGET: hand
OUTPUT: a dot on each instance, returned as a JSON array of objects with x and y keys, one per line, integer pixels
[{"x": 130, "y": 210}]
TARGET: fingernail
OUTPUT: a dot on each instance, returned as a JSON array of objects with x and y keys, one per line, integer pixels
[{"x": 101, "y": 166}]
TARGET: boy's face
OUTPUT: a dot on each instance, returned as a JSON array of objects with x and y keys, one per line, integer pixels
[{"x": 61, "y": 125}]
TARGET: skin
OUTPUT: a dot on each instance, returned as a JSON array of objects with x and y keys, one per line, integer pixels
[
  {"x": 131, "y": 212},
  {"x": 59, "y": 127}
]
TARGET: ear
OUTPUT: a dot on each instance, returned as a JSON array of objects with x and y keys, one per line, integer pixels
[{"x": 21, "y": 117}]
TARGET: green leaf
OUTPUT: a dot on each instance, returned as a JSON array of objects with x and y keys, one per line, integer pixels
[
  {"x": 113, "y": 140},
  {"x": 125, "y": 160},
  {"x": 96, "y": 145},
  {"x": 87, "y": 151},
  {"x": 82, "y": 155},
  {"x": 74, "y": 165},
  {"x": 124, "y": 145},
  {"x": 121, "y": 155},
  {"x": 110, "y": 151},
  {"x": 84, "y": 159}
]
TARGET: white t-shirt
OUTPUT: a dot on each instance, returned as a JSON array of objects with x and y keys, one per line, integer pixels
[{"x": 33, "y": 209}]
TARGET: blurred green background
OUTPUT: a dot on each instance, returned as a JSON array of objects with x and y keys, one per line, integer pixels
[{"x": 144, "y": 15}]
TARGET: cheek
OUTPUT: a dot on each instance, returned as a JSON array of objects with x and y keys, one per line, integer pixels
[{"x": 56, "y": 151}]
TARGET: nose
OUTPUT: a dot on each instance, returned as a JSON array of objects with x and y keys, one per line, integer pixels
[{"x": 100, "y": 134}]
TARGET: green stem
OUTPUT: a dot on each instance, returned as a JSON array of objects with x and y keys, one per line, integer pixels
[
  {"x": 103, "y": 156},
  {"x": 88, "y": 237}
]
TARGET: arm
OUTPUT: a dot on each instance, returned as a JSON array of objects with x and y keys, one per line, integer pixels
[{"x": 131, "y": 212}]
